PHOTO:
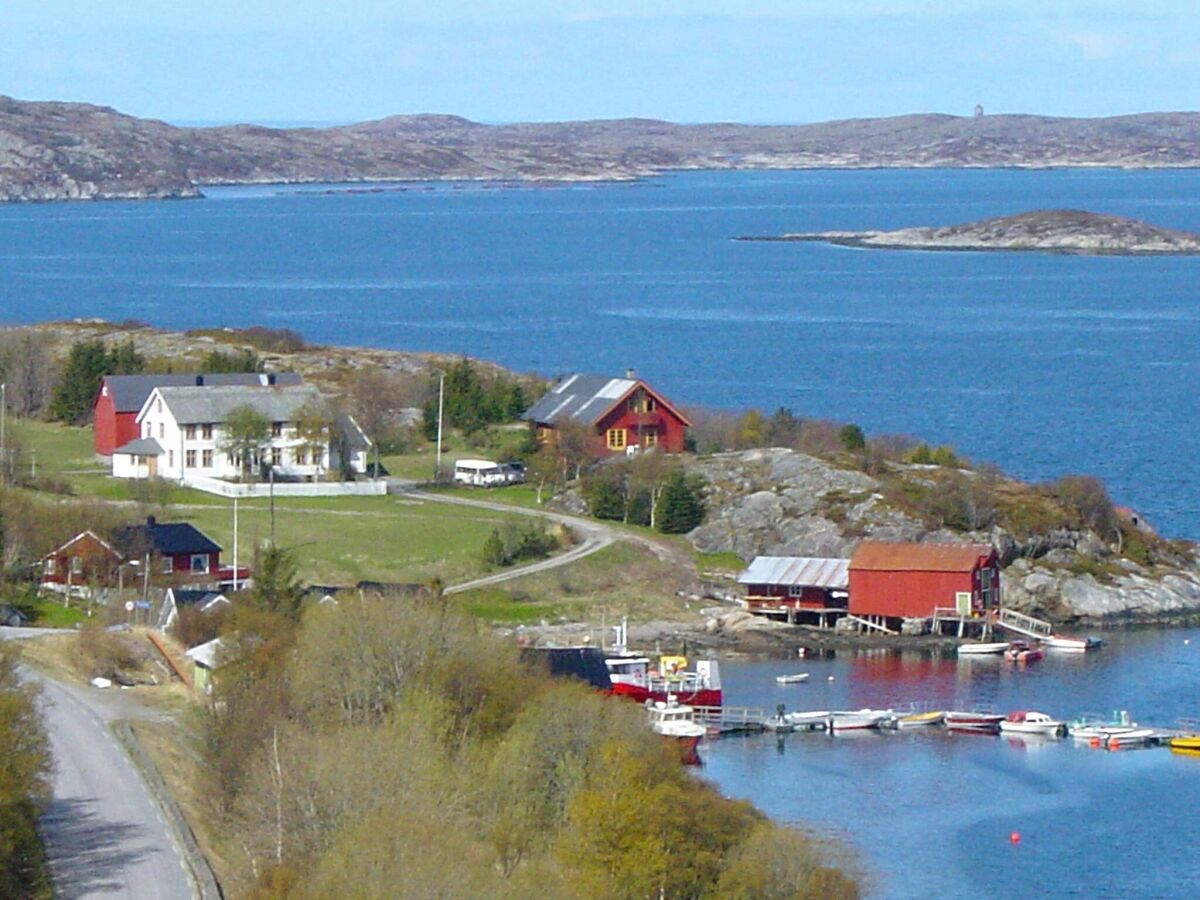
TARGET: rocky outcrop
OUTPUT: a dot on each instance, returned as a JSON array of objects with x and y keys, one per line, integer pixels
[
  {"x": 65, "y": 151},
  {"x": 780, "y": 502},
  {"x": 1049, "y": 231}
]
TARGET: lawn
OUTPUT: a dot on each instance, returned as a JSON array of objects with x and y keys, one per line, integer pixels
[
  {"x": 53, "y": 450},
  {"x": 48, "y": 612}
]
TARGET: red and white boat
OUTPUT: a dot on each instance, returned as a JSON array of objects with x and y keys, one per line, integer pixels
[
  {"x": 677, "y": 724},
  {"x": 1022, "y": 652},
  {"x": 634, "y": 677},
  {"x": 984, "y": 722}
]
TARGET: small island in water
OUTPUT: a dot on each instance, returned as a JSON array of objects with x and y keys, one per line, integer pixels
[{"x": 1048, "y": 230}]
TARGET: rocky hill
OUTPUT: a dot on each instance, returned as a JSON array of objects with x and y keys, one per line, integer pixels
[
  {"x": 1051, "y": 231},
  {"x": 781, "y": 502},
  {"x": 65, "y": 151}
]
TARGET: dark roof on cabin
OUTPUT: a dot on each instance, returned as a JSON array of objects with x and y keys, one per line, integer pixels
[
  {"x": 579, "y": 398},
  {"x": 186, "y": 597},
  {"x": 168, "y": 539},
  {"x": 899, "y": 556},
  {"x": 583, "y": 663},
  {"x": 129, "y": 392}
]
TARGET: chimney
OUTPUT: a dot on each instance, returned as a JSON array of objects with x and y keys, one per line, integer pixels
[
  {"x": 199, "y": 380},
  {"x": 630, "y": 374},
  {"x": 151, "y": 521}
]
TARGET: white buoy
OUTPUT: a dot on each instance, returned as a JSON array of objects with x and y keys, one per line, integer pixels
[{"x": 831, "y": 678}]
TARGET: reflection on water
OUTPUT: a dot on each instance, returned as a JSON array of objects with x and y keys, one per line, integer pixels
[{"x": 931, "y": 811}]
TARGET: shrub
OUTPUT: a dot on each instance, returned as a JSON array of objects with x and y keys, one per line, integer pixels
[{"x": 681, "y": 505}]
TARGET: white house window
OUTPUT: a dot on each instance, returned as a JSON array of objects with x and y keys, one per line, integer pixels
[
  {"x": 76, "y": 565},
  {"x": 49, "y": 566},
  {"x": 189, "y": 432},
  {"x": 168, "y": 565},
  {"x": 796, "y": 590},
  {"x": 158, "y": 405},
  {"x": 200, "y": 562},
  {"x": 206, "y": 432},
  {"x": 206, "y": 459},
  {"x": 301, "y": 456},
  {"x": 276, "y": 429},
  {"x": 171, "y": 458},
  {"x": 162, "y": 430},
  {"x": 190, "y": 459}
]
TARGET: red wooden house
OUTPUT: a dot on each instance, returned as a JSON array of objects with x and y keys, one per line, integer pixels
[
  {"x": 624, "y": 414},
  {"x": 177, "y": 550},
  {"x": 904, "y": 580},
  {"x": 121, "y": 397},
  {"x": 83, "y": 562}
]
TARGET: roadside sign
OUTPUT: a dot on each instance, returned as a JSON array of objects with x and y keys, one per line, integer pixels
[
  {"x": 128, "y": 606},
  {"x": 141, "y": 604}
]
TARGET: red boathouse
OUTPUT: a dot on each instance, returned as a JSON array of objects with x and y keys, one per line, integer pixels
[
  {"x": 624, "y": 414},
  {"x": 910, "y": 581}
]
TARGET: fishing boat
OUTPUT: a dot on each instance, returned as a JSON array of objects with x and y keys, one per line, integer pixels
[
  {"x": 983, "y": 721},
  {"x": 1072, "y": 645},
  {"x": 1022, "y": 652},
  {"x": 858, "y": 719},
  {"x": 798, "y": 678},
  {"x": 676, "y": 723},
  {"x": 990, "y": 648},
  {"x": 1022, "y": 722},
  {"x": 634, "y": 678}
]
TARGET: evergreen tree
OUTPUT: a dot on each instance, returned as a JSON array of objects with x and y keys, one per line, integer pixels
[
  {"x": 852, "y": 438},
  {"x": 87, "y": 363},
  {"x": 277, "y": 582},
  {"x": 494, "y": 553},
  {"x": 681, "y": 504}
]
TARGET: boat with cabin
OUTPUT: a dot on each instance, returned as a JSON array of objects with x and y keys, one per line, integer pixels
[
  {"x": 637, "y": 678},
  {"x": 676, "y": 723},
  {"x": 1029, "y": 722}
]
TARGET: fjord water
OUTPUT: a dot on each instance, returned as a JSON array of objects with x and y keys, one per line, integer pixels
[
  {"x": 930, "y": 813},
  {"x": 1042, "y": 364}
]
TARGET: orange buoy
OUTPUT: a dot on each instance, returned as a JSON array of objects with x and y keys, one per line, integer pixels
[
  {"x": 1094, "y": 742},
  {"x": 1015, "y": 837}
]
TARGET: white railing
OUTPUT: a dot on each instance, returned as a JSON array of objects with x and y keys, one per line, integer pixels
[
  {"x": 1023, "y": 624},
  {"x": 374, "y": 488}
]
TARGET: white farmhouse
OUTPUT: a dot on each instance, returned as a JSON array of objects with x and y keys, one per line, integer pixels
[{"x": 183, "y": 434}]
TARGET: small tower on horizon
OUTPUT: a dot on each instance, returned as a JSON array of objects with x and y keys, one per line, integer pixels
[{"x": 979, "y": 110}]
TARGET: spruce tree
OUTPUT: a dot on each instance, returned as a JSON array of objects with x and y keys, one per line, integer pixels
[{"x": 681, "y": 504}]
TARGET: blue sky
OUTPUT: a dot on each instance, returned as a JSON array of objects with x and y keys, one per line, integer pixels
[{"x": 704, "y": 60}]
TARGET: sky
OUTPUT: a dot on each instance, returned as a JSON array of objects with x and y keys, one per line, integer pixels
[{"x": 274, "y": 61}]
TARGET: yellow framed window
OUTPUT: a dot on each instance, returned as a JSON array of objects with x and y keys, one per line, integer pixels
[
  {"x": 616, "y": 438},
  {"x": 650, "y": 438}
]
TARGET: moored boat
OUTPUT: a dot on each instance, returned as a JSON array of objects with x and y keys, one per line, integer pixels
[
  {"x": 1090, "y": 727},
  {"x": 1022, "y": 652},
  {"x": 633, "y": 678},
  {"x": 1134, "y": 737},
  {"x": 1188, "y": 745},
  {"x": 990, "y": 648},
  {"x": 920, "y": 719},
  {"x": 858, "y": 719},
  {"x": 1072, "y": 645},
  {"x": 812, "y": 720},
  {"x": 983, "y": 721},
  {"x": 798, "y": 678},
  {"x": 676, "y": 723},
  {"x": 1023, "y": 722}
]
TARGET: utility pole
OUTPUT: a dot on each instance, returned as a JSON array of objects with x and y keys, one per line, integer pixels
[
  {"x": 437, "y": 466},
  {"x": 3, "y": 445},
  {"x": 235, "y": 542},
  {"x": 272, "y": 492}
]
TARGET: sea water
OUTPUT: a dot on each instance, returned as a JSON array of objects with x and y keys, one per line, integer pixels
[{"x": 1040, "y": 363}]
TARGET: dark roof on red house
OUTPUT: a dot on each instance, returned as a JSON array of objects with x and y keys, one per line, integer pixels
[
  {"x": 129, "y": 392},
  {"x": 897, "y": 556},
  {"x": 167, "y": 539},
  {"x": 587, "y": 398}
]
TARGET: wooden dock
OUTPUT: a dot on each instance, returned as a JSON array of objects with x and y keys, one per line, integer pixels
[{"x": 731, "y": 719}]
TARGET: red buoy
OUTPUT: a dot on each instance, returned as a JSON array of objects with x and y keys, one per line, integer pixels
[{"x": 1015, "y": 837}]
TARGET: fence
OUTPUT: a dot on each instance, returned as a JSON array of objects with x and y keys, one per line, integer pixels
[{"x": 373, "y": 488}]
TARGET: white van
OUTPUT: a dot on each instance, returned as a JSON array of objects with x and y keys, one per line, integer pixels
[{"x": 484, "y": 473}]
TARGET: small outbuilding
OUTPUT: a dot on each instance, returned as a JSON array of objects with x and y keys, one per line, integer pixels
[
  {"x": 83, "y": 562},
  {"x": 898, "y": 580}
]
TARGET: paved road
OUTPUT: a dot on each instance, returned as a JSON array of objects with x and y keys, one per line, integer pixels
[{"x": 105, "y": 837}]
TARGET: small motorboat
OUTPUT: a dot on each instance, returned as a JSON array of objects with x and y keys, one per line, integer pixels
[
  {"x": 920, "y": 719},
  {"x": 1072, "y": 645},
  {"x": 798, "y": 678},
  {"x": 1022, "y": 652},
  {"x": 676, "y": 723},
  {"x": 991, "y": 648},
  {"x": 1186, "y": 745},
  {"x": 1134, "y": 737},
  {"x": 814, "y": 720},
  {"x": 1097, "y": 730},
  {"x": 858, "y": 719},
  {"x": 1022, "y": 722},
  {"x": 982, "y": 721}
]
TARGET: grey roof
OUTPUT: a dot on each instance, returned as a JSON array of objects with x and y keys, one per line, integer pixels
[
  {"x": 197, "y": 405},
  {"x": 798, "y": 570},
  {"x": 356, "y": 438},
  {"x": 129, "y": 392},
  {"x": 141, "y": 447},
  {"x": 581, "y": 398}
]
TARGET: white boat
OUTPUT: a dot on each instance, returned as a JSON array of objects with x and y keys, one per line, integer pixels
[
  {"x": 1022, "y": 722},
  {"x": 1072, "y": 645},
  {"x": 676, "y": 723},
  {"x": 1089, "y": 727},
  {"x": 976, "y": 720},
  {"x": 1134, "y": 737},
  {"x": 813, "y": 720},
  {"x": 920, "y": 719},
  {"x": 792, "y": 679},
  {"x": 858, "y": 719},
  {"x": 982, "y": 649}
]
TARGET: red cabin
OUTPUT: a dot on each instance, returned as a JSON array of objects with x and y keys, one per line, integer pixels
[
  {"x": 83, "y": 562},
  {"x": 910, "y": 581},
  {"x": 624, "y": 414},
  {"x": 791, "y": 585}
]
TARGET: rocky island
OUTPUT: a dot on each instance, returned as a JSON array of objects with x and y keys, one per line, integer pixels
[
  {"x": 1049, "y": 231},
  {"x": 77, "y": 151}
]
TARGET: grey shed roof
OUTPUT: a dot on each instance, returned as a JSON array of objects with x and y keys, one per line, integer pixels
[
  {"x": 129, "y": 392},
  {"x": 798, "y": 570},
  {"x": 141, "y": 447},
  {"x": 197, "y": 405},
  {"x": 579, "y": 398},
  {"x": 356, "y": 439}
]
